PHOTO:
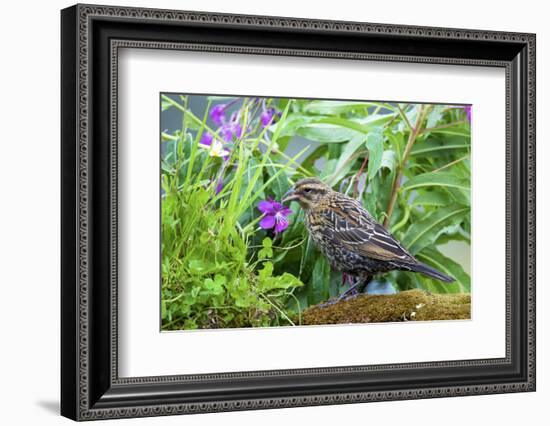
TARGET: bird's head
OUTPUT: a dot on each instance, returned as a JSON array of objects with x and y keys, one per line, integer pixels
[{"x": 308, "y": 192}]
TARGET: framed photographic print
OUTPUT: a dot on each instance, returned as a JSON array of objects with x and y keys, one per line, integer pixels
[{"x": 263, "y": 212}]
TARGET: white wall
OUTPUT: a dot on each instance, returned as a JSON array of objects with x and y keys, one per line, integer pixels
[{"x": 29, "y": 212}]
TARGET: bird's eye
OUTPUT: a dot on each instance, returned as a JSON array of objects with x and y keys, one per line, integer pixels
[{"x": 307, "y": 190}]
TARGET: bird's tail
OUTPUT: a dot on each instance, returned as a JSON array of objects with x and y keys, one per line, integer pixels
[{"x": 430, "y": 272}]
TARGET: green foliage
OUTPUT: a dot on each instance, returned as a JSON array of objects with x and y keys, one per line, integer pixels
[
  {"x": 408, "y": 164},
  {"x": 425, "y": 231},
  {"x": 210, "y": 278}
]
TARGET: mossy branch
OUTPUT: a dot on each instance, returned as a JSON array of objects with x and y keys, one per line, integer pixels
[{"x": 411, "y": 305}]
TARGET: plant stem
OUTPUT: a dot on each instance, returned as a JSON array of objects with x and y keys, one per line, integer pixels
[
  {"x": 192, "y": 117},
  {"x": 277, "y": 308},
  {"x": 358, "y": 176},
  {"x": 403, "y": 221},
  {"x": 183, "y": 117},
  {"x": 352, "y": 158},
  {"x": 399, "y": 175},
  {"x": 404, "y": 117},
  {"x": 286, "y": 157},
  {"x": 299, "y": 308}
]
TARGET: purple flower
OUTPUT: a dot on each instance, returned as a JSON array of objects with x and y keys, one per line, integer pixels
[
  {"x": 206, "y": 139},
  {"x": 217, "y": 114},
  {"x": 468, "y": 111},
  {"x": 237, "y": 130},
  {"x": 274, "y": 215},
  {"x": 268, "y": 116},
  {"x": 219, "y": 186},
  {"x": 226, "y": 132},
  {"x": 229, "y": 130}
]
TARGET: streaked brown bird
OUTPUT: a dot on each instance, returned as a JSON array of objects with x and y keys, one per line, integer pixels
[{"x": 349, "y": 237}]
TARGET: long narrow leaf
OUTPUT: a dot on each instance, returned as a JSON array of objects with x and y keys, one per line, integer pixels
[
  {"x": 448, "y": 266},
  {"x": 425, "y": 232},
  {"x": 436, "y": 180}
]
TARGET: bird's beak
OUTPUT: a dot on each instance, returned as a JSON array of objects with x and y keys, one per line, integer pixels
[{"x": 290, "y": 195}]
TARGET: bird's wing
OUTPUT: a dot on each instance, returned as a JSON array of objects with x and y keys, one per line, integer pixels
[{"x": 352, "y": 226}]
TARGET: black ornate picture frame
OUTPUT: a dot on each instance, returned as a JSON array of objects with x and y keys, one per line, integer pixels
[{"x": 90, "y": 385}]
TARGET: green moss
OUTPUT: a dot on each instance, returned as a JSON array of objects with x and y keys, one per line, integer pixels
[{"x": 412, "y": 305}]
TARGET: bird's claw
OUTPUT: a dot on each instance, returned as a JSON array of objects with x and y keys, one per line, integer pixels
[
  {"x": 327, "y": 303},
  {"x": 342, "y": 298}
]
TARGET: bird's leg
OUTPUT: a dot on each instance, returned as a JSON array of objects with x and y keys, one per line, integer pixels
[
  {"x": 359, "y": 284},
  {"x": 356, "y": 288},
  {"x": 347, "y": 278}
]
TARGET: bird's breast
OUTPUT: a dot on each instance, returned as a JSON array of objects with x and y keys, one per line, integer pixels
[{"x": 321, "y": 232}]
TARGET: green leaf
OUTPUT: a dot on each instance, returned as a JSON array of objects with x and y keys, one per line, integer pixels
[
  {"x": 282, "y": 142},
  {"x": 329, "y": 129},
  {"x": 190, "y": 324},
  {"x": 281, "y": 282},
  {"x": 375, "y": 120},
  {"x": 460, "y": 196},
  {"x": 317, "y": 153},
  {"x": 215, "y": 286},
  {"x": 189, "y": 123},
  {"x": 431, "y": 198},
  {"x": 164, "y": 313},
  {"x": 397, "y": 141},
  {"x": 363, "y": 125},
  {"x": 266, "y": 251},
  {"x": 266, "y": 271},
  {"x": 452, "y": 132},
  {"x": 389, "y": 160},
  {"x": 326, "y": 133},
  {"x": 436, "y": 144},
  {"x": 411, "y": 112},
  {"x": 336, "y": 107},
  {"x": 318, "y": 290},
  {"x": 381, "y": 187},
  {"x": 435, "y": 115},
  {"x": 344, "y": 163},
  {"x": 434, "y": 258},
  {"x": 251, "y": 183},
  {"x": 165, "y": 105},
  {"x": 288, "y": 280},
  {"x": 289, "y": 126},
  {"x": 197, "y": 266},
  {"x": 280, "y": 184},
  {"x": 440, "y": 179},
  {"x": 267, "y": 282},
  {"x": 308, "y": 258},
  {"x": 240, "y": 292},
  {"x": 329, "y": 168},
  {"x": 426, "y": 231},
  {"x": 375, "y": 145},
  {"x": 220, "y": 98}
]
